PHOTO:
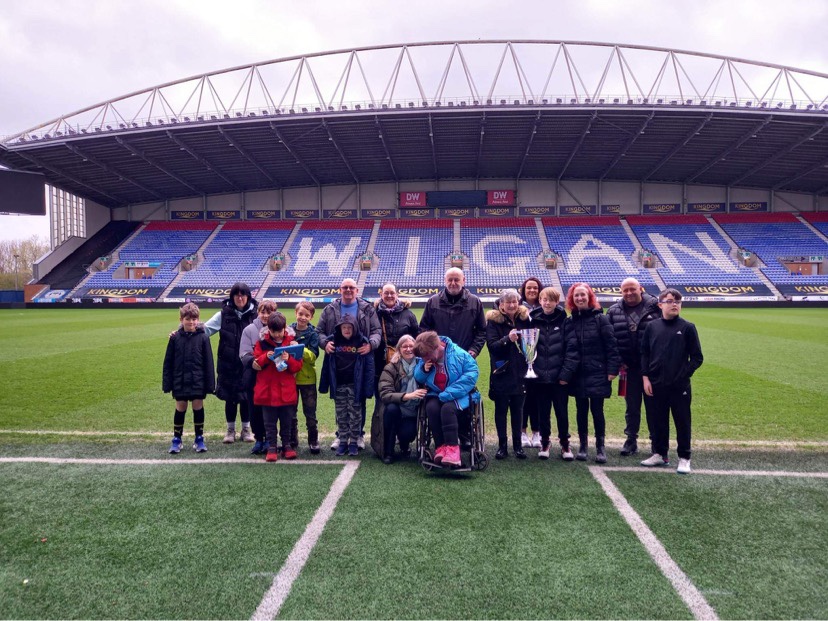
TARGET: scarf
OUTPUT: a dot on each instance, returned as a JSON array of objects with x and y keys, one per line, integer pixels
[
  {"x": 409, "y": 384},
  {"x": 382, "y": 309}
]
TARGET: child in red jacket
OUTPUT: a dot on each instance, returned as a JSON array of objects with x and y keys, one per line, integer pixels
[{"x": 275, "y": 387}]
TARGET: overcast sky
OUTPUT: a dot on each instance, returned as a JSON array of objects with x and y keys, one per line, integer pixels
[{"x": 57, "y": 56}]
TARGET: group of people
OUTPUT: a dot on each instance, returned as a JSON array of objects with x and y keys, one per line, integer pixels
[{"x": 380, "y": 350}]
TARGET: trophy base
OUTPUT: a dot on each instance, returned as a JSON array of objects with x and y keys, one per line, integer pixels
[{"x": 530, "y": 374}]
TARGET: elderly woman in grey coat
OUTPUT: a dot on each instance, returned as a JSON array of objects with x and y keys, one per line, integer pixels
[{"x": 395, "y": 418}]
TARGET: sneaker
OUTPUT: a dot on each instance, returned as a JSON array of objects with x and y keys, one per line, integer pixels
[
  {"x": 247, "y": 435},
  {"x": 175, "y": 447},
  {"x": 630, "y": 447},
  {"x": 341, "y": 449},
  {"x": 524, "y": 440},
  {"x": 451, "y": 456},
  {"x": 440, "y": 454},
  {"x": 566, "y": 453},
  {"x": 258, "y": 448},
  {"x": 230, "y": 436},
  {"x": 272, "y": 455},
  {"x": 314, "y": 448},
  {"x": 683, "y": 466},
  {"x": 335, "y": 444},
  {"x": 654, "y": 460},
  {"x": 289, "y": 453},
  {"x": 199, "y": 446},
  {"x": 353, "y": 449},
  {"x": 520, "y": 453},
  {"x": 536, "y": 440},
  {"x": 502, "y": 453},
  {"x": 360, "y": 442},
  {"x": 265, "y": 446},
  {"x": 543, "y": 453}
]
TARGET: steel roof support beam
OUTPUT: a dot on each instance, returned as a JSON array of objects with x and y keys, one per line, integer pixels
[
  {"x": 693, "y": 132},
  {"x": 744, "y": 138},
  {"x": 433, "y": 148},
  {"x": 112, "y": 171},
  {"x": 387, "y": 150},
  {"x": 627, "y": 146},
  {"x": 293, "y": 153},
  {"x": 802, "y": 173},
  {"x": 38, "y": 162},
  {"x": 779, "y": 154},
  {"x": 529, "y": 144},
  {"x": 183, "y": 145},
  {"x": 234, "y": 143},
  {"x": 339, "y": 150},
  {"x": 578, "y": 144},
  {"x": 138, "y": 153},
  {"x": 480, "y": 146}
]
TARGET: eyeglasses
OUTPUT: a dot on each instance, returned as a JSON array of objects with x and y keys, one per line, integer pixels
[
  {"x": 347, "y": 288},
  {"x": 673, "y": 302}
]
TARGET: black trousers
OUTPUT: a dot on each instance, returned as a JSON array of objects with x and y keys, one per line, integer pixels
[
  {"x": 396, "y": 427},
  {"x": 667, "y": 400},
  {"x": 582, "y": 407},
  {"x": 442, "y": 420},
  {"x": 635, "y": 394},
  {"x": 531, "y": 409},
  {"x": 505, "y": 404},
  {"x": 547, "y": 397},
  {"x": 230, "y": 411},
  {"x": 256, "y": 418},
  {"x": 283, "y": 415}
]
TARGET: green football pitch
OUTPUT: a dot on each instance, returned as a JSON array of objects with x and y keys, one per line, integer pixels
[{"x": 98, "y": 521}]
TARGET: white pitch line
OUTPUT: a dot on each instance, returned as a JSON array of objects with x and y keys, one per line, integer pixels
[
  {"x": 283, "y": 582},
  {"x": 739, "y": 473},
  {"x": 171, "y": 461},
  {"x": 685, "y": 588}
]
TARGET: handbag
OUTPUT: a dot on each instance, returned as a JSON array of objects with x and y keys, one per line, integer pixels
[{"x": 389, "y": 351}]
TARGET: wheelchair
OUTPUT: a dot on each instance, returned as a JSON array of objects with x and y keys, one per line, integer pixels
[{"x": 472, "y": 429}]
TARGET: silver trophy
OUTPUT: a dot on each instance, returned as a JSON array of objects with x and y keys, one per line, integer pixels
[{"x": 528, "y": 345}]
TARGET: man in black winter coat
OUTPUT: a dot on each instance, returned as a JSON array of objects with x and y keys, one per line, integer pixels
[
  {"x": 457, "y": 314},
  {"x": 629, "y": 316},
  {"x": 670, "y": 354}
]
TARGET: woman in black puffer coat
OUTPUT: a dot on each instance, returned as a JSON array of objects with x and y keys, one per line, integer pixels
[
  {"x": 591, "y": 333},
  {"x": 507, "y": 383}
]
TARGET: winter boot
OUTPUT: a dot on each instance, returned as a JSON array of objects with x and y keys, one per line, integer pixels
[
  {"x": 582, "y": 448},
  {"x": 600, "y": 455},
  {"x": 313, "y": 440}
]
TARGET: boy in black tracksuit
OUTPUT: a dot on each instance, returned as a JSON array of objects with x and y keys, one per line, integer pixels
[{"x": 670, "y": 354}]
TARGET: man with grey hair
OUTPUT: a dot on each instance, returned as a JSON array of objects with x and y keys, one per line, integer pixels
[
  {"x": 367, "y": 322},
  {"x": 457, "y": 314},
  {"x": 629, "y": 316}
]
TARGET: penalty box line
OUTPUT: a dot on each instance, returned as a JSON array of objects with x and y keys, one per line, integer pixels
[{"x": 687, "y": 591}]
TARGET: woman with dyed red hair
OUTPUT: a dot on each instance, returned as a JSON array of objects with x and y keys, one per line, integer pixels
[{"x": 589, "y": 332}]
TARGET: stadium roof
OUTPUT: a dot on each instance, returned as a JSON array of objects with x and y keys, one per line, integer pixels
[{"x": 648, "y": 114}]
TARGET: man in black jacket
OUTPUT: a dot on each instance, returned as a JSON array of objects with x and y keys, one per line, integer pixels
[
  {"x": 670, "y": 354},
  {"x": 629, "y": 316},
  {"x": 457, "y": 314}
]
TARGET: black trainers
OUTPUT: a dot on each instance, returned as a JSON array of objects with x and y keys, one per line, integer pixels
[
  {"x": 502, "y": 453},
  {"x": 520, "y": 453},
  {"x": 630, "y": 447}
]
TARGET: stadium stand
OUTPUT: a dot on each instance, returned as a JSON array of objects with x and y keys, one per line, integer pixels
[
  {"x": 69, "y": 272},
  {"x": 596, "y": 250},
  {"x": 773, "y": 236},
  {"x": 818, "y": 220},
  {"x": 501, "y": 251},
  {"x": 239, "y": 252},
  {"x": 412, "y": 253},
  {"x": 324, "y": 252},
  {"x": 164, "y": 242},
  {"x": 690, "y": 251}
]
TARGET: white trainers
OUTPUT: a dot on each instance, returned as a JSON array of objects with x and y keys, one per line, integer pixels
[
  {"x": 230, "y": 436},
  {"x": 654, "y": 460},
  {"x": 335, "y": 444},
  {"x": 566, "y": 454},
  {"x": 524, "y": 440},
  {"x": 536, "y": 440},
  {"x": 247, "y": 435},
  {"x": 683, "y": 466},
  {"x": 543, "y": 453},
  {"x": 361, "y": 442}
]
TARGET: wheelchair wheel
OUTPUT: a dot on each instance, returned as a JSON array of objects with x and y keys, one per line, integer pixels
[
  {"x": 426, "y": 460},
  {"x": 481, "y": 462}
]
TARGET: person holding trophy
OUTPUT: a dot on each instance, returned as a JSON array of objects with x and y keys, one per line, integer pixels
[
  {"x": 507, "y": 383},
  {"x": 590, "y": 332}
]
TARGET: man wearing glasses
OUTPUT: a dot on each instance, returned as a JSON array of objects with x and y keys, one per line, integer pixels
[
  {"x": 670, "y": 354},
  {"x": 367, "y": 323}
]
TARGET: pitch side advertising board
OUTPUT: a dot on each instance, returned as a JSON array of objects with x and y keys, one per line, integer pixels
[{"x": 802, "y": 293}]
